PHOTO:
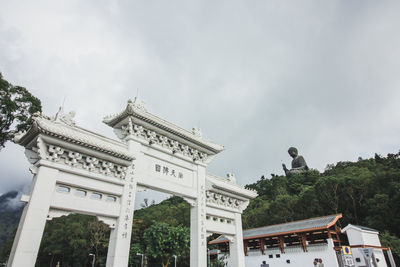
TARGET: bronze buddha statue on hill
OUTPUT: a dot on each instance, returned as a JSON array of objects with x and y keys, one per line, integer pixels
[{"x": 298, "y": 163}]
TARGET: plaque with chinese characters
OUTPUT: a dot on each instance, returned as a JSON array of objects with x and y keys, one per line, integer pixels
[{"x": 170, "y": 172}]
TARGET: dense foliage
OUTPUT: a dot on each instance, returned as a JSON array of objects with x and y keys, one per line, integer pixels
[
  {"x": 70, "y": 240},
  {"x": 367, "y": 192},
  {"x": 17, "y": 105},
  {"x": 163, "y": 242},
  {"x": 175, "y": 213}
]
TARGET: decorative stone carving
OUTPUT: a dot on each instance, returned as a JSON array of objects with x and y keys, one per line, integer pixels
[
  {"x": 218, "y": 219},
  {"x": 73, "y": 158},
  {"x": 231, "y": 177},
  {"x": 67, "y": 118},
  {"x": 91, "y": 163},
  {"x": 196, "y": 132},
  {"x": 174, "y": 146},
  {"x": 163, "y": 140},
  {"x": 133, "y": 105},
  {"x": 158, "y": 131},
  {"x": 223, "y": 200},
  {"x": 54, "y": 153},
  {"x": 128, "y": 129},
  {"x": 86, "y": 162},
  {"x": 106, "y": 167},
  {"x": 154, "y": 138},
  {"x": 64, "y": 128}
]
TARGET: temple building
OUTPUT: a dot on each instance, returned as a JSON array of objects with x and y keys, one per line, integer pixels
[{"x": 300, "y": 243}]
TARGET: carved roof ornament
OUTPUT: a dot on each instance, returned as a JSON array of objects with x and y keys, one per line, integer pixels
[
  {"x": 196, "y": 132},
  {"x": 67, "y": 118},
  {"x": 64, "y": 128},
  {"x": 155, "y": 130},
  {"x": 231, "y": 177},
  {"x": 128, "y": 128}
]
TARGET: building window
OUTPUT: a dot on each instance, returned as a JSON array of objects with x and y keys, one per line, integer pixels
[
  {"x": 80, "y": 193},
  {"x": 278, "y": 255},
  {"x": 63, "y": 189},
  {"x": 96, "y": 196},
  {"x": 111, "y": 199},
  {"x": 270, "y": 256},
  {"x": 358, "y": 260},
  {"x": 288, "y": 261}
]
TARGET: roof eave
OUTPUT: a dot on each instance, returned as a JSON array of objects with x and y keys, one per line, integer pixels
[{"x": 162, "y": 124}]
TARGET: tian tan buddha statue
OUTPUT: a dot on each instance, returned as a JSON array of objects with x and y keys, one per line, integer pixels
[{"x": 298, "y": 163}]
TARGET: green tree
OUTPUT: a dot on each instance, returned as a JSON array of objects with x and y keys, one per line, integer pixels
[
  {"x": 99, "y": 237},
  {"x": 134, "y": 259},
  {"x": 393, "y": 242},
  {"x": 17, "y": 105},
  {"x": 70, "y": 240},
  {"x": 164, "y": 241}
]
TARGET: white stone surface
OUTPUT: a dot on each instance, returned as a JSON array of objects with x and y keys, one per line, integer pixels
[
  {"x": 358, "y": 236},
  {"x": 31, "y": 226},
  {"x": 236, "y": 244},
  {"x": 295, "y": 255},
  {"x": 92, "y": 169}
]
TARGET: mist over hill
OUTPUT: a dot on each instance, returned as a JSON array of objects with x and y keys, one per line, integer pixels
[{"x": 10, "y": 212}]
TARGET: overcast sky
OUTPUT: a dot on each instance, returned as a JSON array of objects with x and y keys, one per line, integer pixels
[{"x": 255, "y": 76}]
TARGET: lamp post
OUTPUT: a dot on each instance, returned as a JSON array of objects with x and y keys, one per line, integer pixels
[
  {"x": 140, "y": 254},
  {"x": 94, "y": 257},
  {"x": 175, "y": 257},
  {"x": 209, "y": 259},
  {"x": 51, "y": 261}
]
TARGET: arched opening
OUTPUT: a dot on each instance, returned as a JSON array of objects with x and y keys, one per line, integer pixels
[
  {"x": 74, "y": 240},
  {"x": 160, "y": 230}
]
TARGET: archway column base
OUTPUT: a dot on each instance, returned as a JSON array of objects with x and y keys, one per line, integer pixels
[{"x": 33, "y": 220}]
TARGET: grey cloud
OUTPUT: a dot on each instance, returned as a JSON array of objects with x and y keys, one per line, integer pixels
[{"x": 257, "y": 77}]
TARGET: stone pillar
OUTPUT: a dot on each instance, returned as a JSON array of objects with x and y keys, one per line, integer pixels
[
  {"x": 236, "y": 250},
  {"x": 391, "y": 259},
  {"x": 120, "y": 236},
  {"x": 33, "y": 220},
  {"x": 198, "y": 240}
]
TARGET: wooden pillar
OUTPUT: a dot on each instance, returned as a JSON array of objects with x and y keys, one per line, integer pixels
[
  {"x": 281, "y": 243},
  {"x": 245, "y": 246},
  {"x": 337, "y": 229},
  {"x": 303, "y": 241},
  {"x": 262, "y": 246},
  {"x": 329, "y": 234}
]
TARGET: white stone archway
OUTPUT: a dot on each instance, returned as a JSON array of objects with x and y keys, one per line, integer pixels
[{"x": 78, "y": 171}]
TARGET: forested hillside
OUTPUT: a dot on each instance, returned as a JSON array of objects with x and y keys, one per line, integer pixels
[
  {"x": 9, "y": 217},
  {"x": 367, "y": 192}
]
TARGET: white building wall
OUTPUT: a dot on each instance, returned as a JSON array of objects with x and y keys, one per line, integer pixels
[
  {"x": 378, "y": 254},
  {"x": 360, "y": 237},
  {"x": 295, "y": 254}
]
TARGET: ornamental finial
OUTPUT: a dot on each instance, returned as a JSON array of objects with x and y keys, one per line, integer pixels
[{"x": 67, "y": 118}]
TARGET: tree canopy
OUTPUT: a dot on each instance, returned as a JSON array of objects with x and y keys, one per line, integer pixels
[
  {"x": 164, "y": 241},
  {"x": 17, "y": 105},
  {"x": 367, "y": 192}
]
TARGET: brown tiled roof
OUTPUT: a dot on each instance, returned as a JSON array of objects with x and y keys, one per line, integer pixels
[{"x": 307, "y": 225}]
